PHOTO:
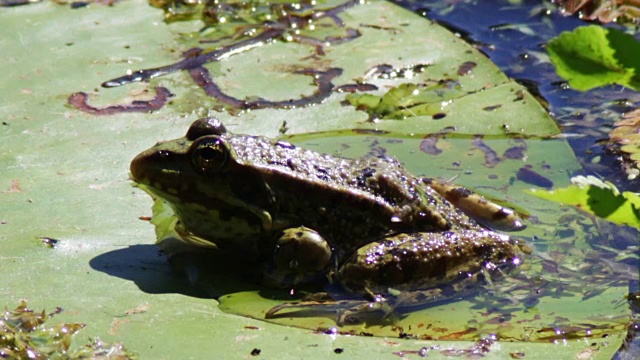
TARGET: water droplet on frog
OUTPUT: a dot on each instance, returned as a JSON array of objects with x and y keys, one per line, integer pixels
[
  {"x": 395, "y": 219},
  {"x": 285, "y": 144}
]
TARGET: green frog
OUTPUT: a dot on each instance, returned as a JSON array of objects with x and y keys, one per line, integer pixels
[{"x": 294, "y": 216}]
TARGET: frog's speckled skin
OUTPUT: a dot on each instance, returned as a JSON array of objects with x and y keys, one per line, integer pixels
[{"x": 387, "y": 228}]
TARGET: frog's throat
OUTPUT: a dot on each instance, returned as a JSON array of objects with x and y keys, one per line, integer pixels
[{"x": 206, "y": 203}]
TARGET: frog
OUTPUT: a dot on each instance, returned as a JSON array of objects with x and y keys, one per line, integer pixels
[{"x": 293, "y": 216}]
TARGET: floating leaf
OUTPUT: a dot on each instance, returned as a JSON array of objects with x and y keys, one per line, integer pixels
[
  {"x": 626, "y": 133},
  {"x": 598, "y": 198},
  {"x": 593, "y": 56}
]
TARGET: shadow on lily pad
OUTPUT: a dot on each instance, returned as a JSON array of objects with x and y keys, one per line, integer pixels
[
  {"x": 148, "y": 268},
  {"x": 192, "y": 274}
]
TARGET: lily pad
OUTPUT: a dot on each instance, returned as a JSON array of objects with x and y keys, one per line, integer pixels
[
  {"x": 65, "y": 176},
  {"x": 480, "y": 99}
]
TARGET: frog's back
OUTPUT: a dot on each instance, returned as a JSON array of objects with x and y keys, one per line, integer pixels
[
  {"x": 353, "y": 200},
  {"x": 381, "y": 180}
]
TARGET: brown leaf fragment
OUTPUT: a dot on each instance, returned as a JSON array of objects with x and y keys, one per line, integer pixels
[
  {"x": 140, "y": 309},
  {"x": 626, "y": 134},
  {"x": 14, "y": 187}
]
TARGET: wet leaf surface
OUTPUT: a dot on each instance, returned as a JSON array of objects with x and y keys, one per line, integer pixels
[
  {"x": 621, "y": 11},
  {"x": 625, "y": 134}
]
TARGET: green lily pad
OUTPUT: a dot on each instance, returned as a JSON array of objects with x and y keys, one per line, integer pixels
[
  {"x": 480, "y": 99},
  {"x": 592, "y": 56},
  {"x": 65, "y": 178}
]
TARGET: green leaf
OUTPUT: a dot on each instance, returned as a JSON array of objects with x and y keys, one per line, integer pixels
[
  {"x": 598, "y": 198},
  {"x": 592, "y": 56}
]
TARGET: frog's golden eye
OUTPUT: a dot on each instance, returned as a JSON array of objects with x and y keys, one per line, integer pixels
[{"x": 209, "y": 155}]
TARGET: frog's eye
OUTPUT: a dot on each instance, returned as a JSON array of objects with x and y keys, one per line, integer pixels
[{"x": 209, "y": 155}]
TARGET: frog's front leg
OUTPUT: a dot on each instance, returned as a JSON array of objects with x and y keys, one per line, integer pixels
[{"x": 300, "y": 256}]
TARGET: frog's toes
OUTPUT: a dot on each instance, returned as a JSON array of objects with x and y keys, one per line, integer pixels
[
  {"x": 359, "y": 309},
  {"x": 346, "y": 311}
]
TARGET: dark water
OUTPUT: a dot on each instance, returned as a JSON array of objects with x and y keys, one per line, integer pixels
[{"x": 514, "y": 37}]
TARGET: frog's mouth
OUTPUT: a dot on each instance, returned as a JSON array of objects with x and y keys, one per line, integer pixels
[{"x": 162, "y": 171}]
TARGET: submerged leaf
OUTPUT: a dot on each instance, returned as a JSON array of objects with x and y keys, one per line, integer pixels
[{"x": 622, "y": 11}]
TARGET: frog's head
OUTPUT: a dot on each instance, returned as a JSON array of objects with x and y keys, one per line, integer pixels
[{"x": 214, "y": 196}]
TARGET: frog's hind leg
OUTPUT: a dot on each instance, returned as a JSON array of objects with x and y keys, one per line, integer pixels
[
  {"x": 477, "y": 207},
  {"x": 426, "y": 268},
  {"x": 345, "y": 311},
  {"x": 415, "y": 270}
]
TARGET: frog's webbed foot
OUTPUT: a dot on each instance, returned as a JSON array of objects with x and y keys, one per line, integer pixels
[
  {"x": 377, "y": 304},
  {"x": 347, "y": 311}
]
